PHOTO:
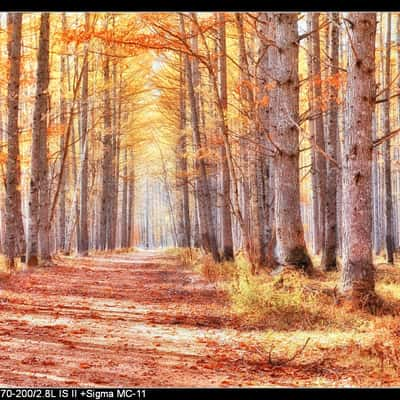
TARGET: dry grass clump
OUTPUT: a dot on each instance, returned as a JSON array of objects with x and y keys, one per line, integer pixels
[
  {"x": 5, "y": 271},
  {"x": 292, "y": 300},
  {"x": 125, "y": 250},
  {"x": 387, "y": 274},
  {"x": 108, "y": 252},
  {"x": 288, "y": 301},
  {"x": 216, "y": 272},
  {"x": 186, "y": 255}
]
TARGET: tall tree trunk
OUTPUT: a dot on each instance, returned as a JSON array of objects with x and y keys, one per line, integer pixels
[
  {"x": 195, "y": 223},
  {"x": 44, "y": 192},
  {"x": 131, "y": 198},
  {"x": 38, "y": 231},
  {"x": 284, "y": 126},
  {"x": 83, "y": 243},
  {"x": 380, "y": 128},
  {"x": 254, "y": 236},
  {"x": 75, "y": 216},
  {"x": 115, "y": 158},
  {"x": 15, "y": 243},
  {"x": 341, "y": 117},
  {"x": 266, "y": 34},
  {"x": 398, "y": 64},
  {"x": 183, "y": 218},
  {"x": 387, "y": 148},
  {"x": 226, "y": 218},
  {"x": 63, "y": 122},
  {"x": 332, "y": 139},
  {"x": 3, "y": 178},
  {"x": 106, "y": 194},
  {"x": 317, "y": 133},
  {"x": 358, "y": 273},
  {"x": 124, "y": 205}
]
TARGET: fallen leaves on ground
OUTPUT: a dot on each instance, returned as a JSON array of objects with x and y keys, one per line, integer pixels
[{"x": 142, "y": 319}]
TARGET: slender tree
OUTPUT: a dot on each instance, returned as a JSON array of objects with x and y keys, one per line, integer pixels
[
  {"x": 253, "y": 236},
  {"x": 266, "y": 36},
  {"x": 317, "y": 133},
  {"x": 63, "y": 122},
  {"x": 183, "y": 211},
  {"x": 387, "y": 147},
  {"x": 332, "y": 139},
  {"x": 106, "y": 196},
  {"x": 83, "y": 244},
  {"x": 226, "y": 218}
]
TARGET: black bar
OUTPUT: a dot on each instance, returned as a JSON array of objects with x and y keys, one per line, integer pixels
[
  {"x": 189, "y": 394},
  {"x": 204, "y": 5}
]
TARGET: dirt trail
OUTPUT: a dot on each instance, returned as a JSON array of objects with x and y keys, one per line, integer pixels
[{"x": 130, "y": 320}]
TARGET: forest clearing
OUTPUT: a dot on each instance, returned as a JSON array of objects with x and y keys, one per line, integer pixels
[{"x": 200, "y": 199}]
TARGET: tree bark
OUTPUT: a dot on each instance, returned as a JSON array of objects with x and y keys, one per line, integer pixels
[
  {"x": 44, "y": 192},
  {"x": 291, "y": 247},
  {"x": 183, "y": 214},
  {"x": 124, "y": 205},
  {"x": 63, "y": 122},
  {"x": 317, "y": 133},
  {"x": 106, "y": 195},
  {"x": 253, "y": 238},
  {"x": 226, "y": 218},
  {"x": 38, "y": 231},
  {"x": 332, "y": 139},
  {"x": 83, "y": 243},
  {"x": 266, "y": 35},
  {"x": 131, "y": 198},
  {"x": 358, "y": 273},
  {"x": 387, "y": 148},
  {"x": 15, "y": 240},
  {"x": 115, "y": 158}
]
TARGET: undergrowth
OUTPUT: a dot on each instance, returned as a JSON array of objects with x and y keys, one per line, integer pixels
[
  {"x": 288, "y": 301},
  {"x": 292, "y": 300},
  {"x": 115, "y": 251},
  {"x": 186, "y": 255}
]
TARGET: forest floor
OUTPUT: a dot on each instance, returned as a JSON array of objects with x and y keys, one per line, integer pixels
[{"x": 141, "y": 319}]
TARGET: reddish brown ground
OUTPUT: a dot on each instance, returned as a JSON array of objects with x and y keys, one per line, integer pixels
[{"x": 136, "y": 320}]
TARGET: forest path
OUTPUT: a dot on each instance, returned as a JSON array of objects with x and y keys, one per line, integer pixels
[{"x": 137, "y": 319}]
